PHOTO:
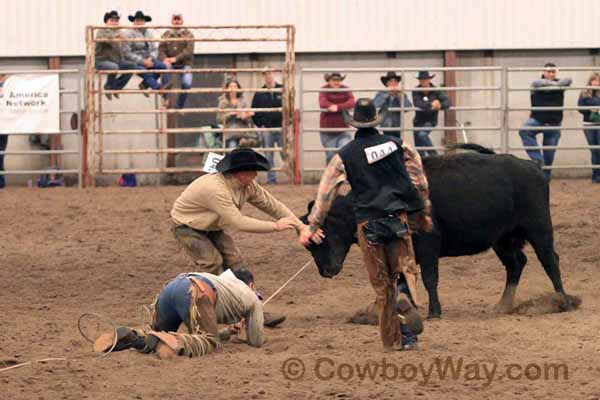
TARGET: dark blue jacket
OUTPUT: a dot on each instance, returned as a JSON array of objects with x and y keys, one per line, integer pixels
[{"x": 593, "y": 100}]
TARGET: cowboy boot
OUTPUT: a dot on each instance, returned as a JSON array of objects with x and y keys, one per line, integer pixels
[
  {"x": 127, "y": 338},
  {"x": 409, "y": 314},
  {"x": 272, "y": 320},
  {"x": 409, "y": 339}
]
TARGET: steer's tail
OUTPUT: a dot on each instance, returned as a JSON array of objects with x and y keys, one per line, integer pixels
[{"x": 472, "y": 146}]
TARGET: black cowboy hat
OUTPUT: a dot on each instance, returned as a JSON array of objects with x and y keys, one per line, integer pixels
[
  {"x": 365, "y": 114},
  {"x": 388, "y": 76},
  {"x": 425, "y": 75},
  {"x": 140, "y": 14},
  {"x": 243, "y": 160},
  {"x": 334, "y": 74},
  {"x": 111, "y": 14}
]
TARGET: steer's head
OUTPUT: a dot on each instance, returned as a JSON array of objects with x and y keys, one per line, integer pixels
[{"x": 339, "y": 228}]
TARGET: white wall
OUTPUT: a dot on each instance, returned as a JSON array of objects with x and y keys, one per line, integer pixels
[{"x": 57, "y": 27}]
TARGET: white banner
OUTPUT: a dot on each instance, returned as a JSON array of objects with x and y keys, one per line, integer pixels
[{"x": 30, "y": 104}]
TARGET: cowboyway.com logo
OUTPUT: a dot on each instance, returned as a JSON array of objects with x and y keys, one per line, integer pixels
[{"x": 439, "y": 369}]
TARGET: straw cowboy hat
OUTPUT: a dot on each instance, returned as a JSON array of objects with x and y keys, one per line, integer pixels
[
  {"x": 140, "y": 14},
  {"x": 243, "y": 160},
  {"x": 388, "y": 76},
  {"x": 365, "y": 114},
  {"x": 334, "y": 75}
]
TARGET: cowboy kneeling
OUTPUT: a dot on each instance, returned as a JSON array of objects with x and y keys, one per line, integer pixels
[
  {"x": 382, "y": 196},
  {"x": 200, "y": 301}
]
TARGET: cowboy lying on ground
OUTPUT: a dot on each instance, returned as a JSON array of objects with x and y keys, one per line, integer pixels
[{"x": 200, "y": 301}]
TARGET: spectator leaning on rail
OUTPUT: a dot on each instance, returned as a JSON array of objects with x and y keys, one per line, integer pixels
[
  {"x": 178, "y": 55},
  {"x": 335, "y": 103},
  {"x": 391, "y": 99},
  {"x": 144, "y": 54},
  {"x": 109, "y": 55},
  {"x": 269, "y": 119},
  {"x": 199, "y": 301},
  {"x": 552, "y": 96},
  {"x": 591, "y": 120},
  {"x": 428, "y": 104},
  {"x": 229, "y": 118}
]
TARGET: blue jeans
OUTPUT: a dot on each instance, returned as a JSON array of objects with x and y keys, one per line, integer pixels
[
  {"x": 334, "y": 140},
  {"x": 114, "y": 82},
  {"x": 270, "y": 138},
  {"x": 186, "y": 83},
  {"x": 593, "y": 139},
  {"x": 551, "y": 137},
  {"x": 151, "y": 79},
  {"x": 422, "y": 140},
  {"x": 3, "y": 144},
  {"x": 173, "y": 306},
  {"x": 232, "y": 143}
]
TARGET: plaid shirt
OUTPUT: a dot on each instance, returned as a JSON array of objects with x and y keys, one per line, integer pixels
[{"x": 335, "y": 174}]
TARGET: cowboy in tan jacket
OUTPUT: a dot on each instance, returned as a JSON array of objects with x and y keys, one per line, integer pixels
[{"x": 209, "y": 211}]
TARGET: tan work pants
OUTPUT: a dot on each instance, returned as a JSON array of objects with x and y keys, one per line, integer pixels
[{"x": 212, "y": 251}]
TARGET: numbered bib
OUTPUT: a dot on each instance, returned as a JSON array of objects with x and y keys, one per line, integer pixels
[
  {"x": 210, "y": 165},
  {"x": 380, "y": 151}
]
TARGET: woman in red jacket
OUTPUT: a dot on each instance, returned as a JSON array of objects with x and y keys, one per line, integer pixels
[{"x": 334, "y": 103}]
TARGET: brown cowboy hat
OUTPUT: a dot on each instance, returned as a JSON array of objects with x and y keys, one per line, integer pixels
[
  {"x": 334, "y": 75},
  {"x": 388, "y": 76}
]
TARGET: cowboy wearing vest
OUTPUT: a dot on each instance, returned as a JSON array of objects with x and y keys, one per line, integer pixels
[
  {"x": 200, "y": 301},
  {"x": 382, "y": 197}
]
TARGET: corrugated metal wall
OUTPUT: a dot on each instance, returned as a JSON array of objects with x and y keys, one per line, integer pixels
[{"x": 56, "y": 27}]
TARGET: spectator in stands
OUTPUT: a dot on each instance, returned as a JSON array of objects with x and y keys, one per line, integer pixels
[
  {"x": 229, "y": 118},
  {"x": 178, "y": 55},
  {"x": 334, "y": 103},
  {"x": 391, "y": 99},
  {"x": 109, "y": 55},
  {"x": 144, "y": 54},
  {"x": 551, "y": 95},
  {"x": 591, "y": 120},
  {"x": 3, "y": 139},
  {"x": 269, "y": 119},
  {"x": 429, "y": 103}
]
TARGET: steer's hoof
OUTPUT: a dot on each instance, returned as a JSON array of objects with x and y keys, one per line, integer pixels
[{"x": 502, "y": 308}]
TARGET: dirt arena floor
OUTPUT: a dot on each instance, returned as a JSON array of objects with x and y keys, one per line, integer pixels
[{"x": 64, "y": 252}]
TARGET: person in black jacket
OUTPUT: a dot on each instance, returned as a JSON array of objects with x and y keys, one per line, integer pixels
[
  {"x": 429, "y": 103},
  {"x": 591, "y": 120},
  {"x": 545, "y": 92},
  {"x": 269, "y": 119}
]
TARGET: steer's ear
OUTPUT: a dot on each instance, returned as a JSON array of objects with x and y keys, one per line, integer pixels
[{"x": 310, "y": 205}]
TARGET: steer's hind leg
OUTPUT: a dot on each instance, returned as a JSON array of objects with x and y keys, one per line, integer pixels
[
  {"x": 508, "y": 250},
  {"x": 543, "y": 244}
]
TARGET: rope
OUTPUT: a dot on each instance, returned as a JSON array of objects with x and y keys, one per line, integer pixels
[
  {"x": 43, "y": 360},
  {"x": 287, "y": 282},
  {"x": 90, "y": 340}
]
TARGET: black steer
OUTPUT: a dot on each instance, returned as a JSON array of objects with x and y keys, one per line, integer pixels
[{"x": 480, "y": 200}]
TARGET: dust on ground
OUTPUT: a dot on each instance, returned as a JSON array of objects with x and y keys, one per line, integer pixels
[{"x": 65, "y": 251}]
